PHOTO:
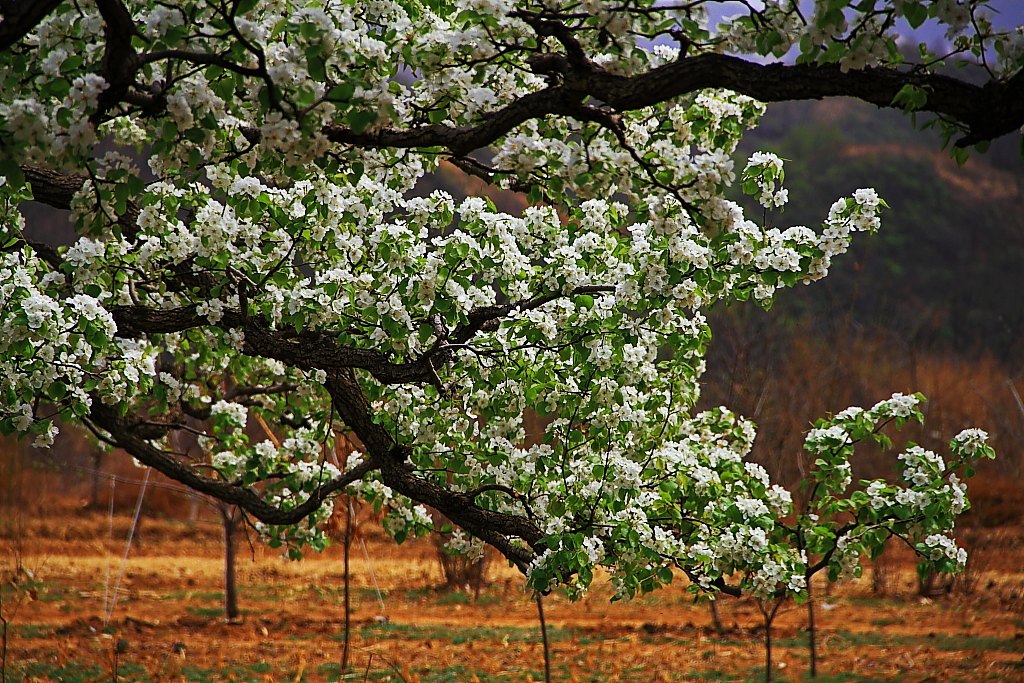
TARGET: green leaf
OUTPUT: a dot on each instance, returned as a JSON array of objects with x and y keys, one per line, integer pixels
[
  {"x": 584, "y": 301},
  {"x": 341, "y": 93},
  {"x": 915, "y": 13},
  {"x": 57, "y": 391},
  {"x": 10, "y": 170},
  {"x": 910, "y": 97},
  {"x": 960, "y": 155},
  {"x": 360, "y": 119},
  {"x": 316, "y": 63},
  {"x": 244, "y": 6}
]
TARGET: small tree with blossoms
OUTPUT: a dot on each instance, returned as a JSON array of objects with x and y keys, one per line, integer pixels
[
  {"x": 837, "y": 525},
  {"x": 242, "y": 179}
]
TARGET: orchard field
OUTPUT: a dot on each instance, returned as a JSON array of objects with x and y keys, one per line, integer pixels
[
  {"x": 168, "y": 625},
  {"x": 221, "y": 256}
]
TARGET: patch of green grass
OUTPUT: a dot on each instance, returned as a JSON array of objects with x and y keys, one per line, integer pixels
[
  {"x": 713, "y": 675},
  {"x": 979, "y": 643},
  {"x": 846, "y": 677},
  {"x": 888, "y": 621},
  {"x": 129, "y": 671},
  {"x": 443, "y": 596},
  {"x": 28, "y": 631},
  {"x": 592, "y": 637},
  {"x": 69, "y": 673},
  {"x": 248, "y": 673},
  {"x": 464, "y": 598},
  {"x": 206, "y": 612},
  {"x": 195, "y": 595},
  {"x": 459, "y": 634},
  {"x": 40, "y": 591},
  {"x": 455, "y": 598},
  {"x": 940, "y": 641},
  {"x": 337, "y": 593},
  {"x": 425, "y": 593}
]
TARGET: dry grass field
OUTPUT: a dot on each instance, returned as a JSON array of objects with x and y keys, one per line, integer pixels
[{"x": 167, "y": 623}]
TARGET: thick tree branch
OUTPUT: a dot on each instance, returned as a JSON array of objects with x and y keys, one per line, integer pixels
[
  {"x": 307, "y": 350},
  {"x": 486, "y": 318},
  {"x": 355, "y": 411},
  {"x": 53, "y": 188},
  {"x": 193, "y": 57},
  {"x": 985, "y": 112},
  {"x": 19, "y": 17},
  {"x": 58, "y": 189},
  {"x": 562, "y": 100},
  {"x": 124, "y": 435},
  {"x": 496, "y": 528},
  {"x": 120, "y": 61},
  {"x": 314, "y": 349}
]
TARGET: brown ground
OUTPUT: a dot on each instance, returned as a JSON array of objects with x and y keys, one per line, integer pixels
[{"x": 168, "y": 620}]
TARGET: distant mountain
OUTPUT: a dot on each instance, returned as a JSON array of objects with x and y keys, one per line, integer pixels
[{"x": 945, "y": 269}]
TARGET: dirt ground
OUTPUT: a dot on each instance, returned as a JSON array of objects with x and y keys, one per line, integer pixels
[{"x": 166, "y": 624}]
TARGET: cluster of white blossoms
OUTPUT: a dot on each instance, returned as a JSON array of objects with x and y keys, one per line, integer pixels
[
  {"x": 970, "y": 441},
  {"x": 234, "y": 413},
  {"x": 409, "y": 519},
  {"x": 273, "y": 208},
  {"x": 941, "y": 547},
  {"x": 470, "y": 547},
  {"x": 920, "y": 465},
  {"x": 763, "y": 178}
]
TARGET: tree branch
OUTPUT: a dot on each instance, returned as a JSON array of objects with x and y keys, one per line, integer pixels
[
  {"x": 495, "y": 528},
  {"x": 124, "y": 436},
  {"x": 58, "y": 189},
  {"x": 194, "y": 57},
  {"x": 985, "y": 112},
  {"x": 19, "y": 17},
  {"x": 120, "y": 61}
]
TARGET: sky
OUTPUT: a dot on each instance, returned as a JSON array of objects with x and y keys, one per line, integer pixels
[{"x": 1005, "y": 14}]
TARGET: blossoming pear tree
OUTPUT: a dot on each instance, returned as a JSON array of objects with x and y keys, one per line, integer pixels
[{"x": 242, "y": 180}]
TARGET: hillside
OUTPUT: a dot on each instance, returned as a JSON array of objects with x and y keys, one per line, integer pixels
[
  {"x": 944, "y": 270},
  {"x": 931, "y": 303}
]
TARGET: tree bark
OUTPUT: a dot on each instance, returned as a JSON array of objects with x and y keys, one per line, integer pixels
[
  {"x": 230, "y": 518},
  {"x": 544, "y": 638},
  {"x": 812, "y": 632},
  {"x": 348, "y": 603}
]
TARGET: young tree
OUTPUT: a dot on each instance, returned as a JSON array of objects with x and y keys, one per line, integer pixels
[{"x": 271, "y": 255}]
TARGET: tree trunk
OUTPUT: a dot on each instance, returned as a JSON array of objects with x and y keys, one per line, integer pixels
[
  {"x": 716, "y": 618},
  {"x": 3, "y": 641},
  {"x": 97, "y": 463},
  {"x": 768, "y": 614},
  {"x": 812, "y": 632},
  {"x": 229, "y": 518},
  {"x": 544, "y": 637},
  {"x": 348, "y": 604}
]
